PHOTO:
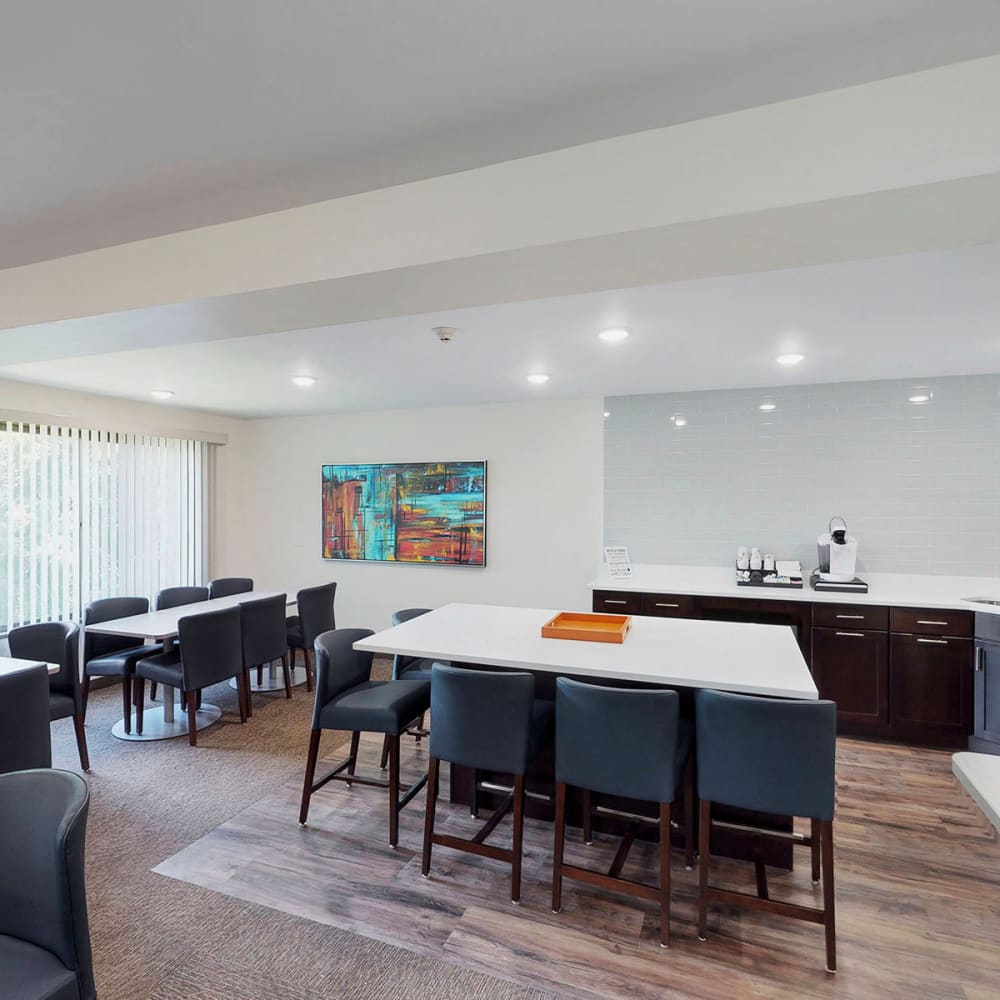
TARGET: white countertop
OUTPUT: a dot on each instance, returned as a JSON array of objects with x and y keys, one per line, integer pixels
[
  {"x": 751, "y": 659},
  {"x": 897, "y": 589},
  {"x": 979, "y": 775},
  {"x": 11, "y": 665}
]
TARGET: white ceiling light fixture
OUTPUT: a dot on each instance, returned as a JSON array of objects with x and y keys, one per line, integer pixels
[
  {"x": 162, "y": 393},
  {"x": 303, "y": 381},
  {"x": 538, "y": 378},
  {"x": 790, "y": 359},
  {"x": 607, "y": 413},
  {"x": 767, "y": 406},
  {"x": 613, "y": 335},
  {"x": 679, "y": 421},
  {"x": 919, "y": 398}
]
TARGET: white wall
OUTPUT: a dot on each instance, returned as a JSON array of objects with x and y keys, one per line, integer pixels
[{"x": 544, "y": 504}]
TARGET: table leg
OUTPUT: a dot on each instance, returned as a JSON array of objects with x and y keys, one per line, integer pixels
[{"x": 168, "y": 692}]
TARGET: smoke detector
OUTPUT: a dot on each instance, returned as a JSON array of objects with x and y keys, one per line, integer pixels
[{"x": 446, "y": 334}]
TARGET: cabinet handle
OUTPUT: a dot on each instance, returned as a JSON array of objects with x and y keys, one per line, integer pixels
[
  {"x": 980, "y": 656},
  {"x": 924, "y": 621},
  {"x": 661, "y": 605},
  {"x": 858, "y": 635},
  {"x": 855, "y": 618},
  {"x": 935, "y": 642},
  {"x": 607, "y": 600}
]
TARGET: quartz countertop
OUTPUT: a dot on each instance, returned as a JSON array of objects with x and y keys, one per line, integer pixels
[{"x": 897, "y": 589}]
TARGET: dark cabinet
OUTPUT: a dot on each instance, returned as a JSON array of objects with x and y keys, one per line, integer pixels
[
  {"x": 851, "y": 667},
  {"x": 618, "y": 602},
  {"x": 669, "y": 606},
  {"x": 986, "y": 725},
  {"x": 930, "y": 695}
]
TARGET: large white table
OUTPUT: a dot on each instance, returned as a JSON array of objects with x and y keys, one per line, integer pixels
[
  {"x": 11, "y": 665},
  {"x": 161, "y": 626},
  {"x": 979, "y": 775},
  {"x": 676, "y": 652}
]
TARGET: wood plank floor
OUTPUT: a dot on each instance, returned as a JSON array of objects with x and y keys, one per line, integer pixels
[{"x": 918, "y": 893}]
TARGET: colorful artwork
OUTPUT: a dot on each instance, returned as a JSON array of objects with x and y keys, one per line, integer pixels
[{"x": 433, "y": 512}]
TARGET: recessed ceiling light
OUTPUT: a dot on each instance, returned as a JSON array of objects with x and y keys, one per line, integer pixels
[
  {"x": 920, "y": 397},
  {"x": 790, "y": 359},
  {"x": 680, "y": 421},
  {"x": 304, "y": 381},
  {"x": 613, "y": 335},
  {"x": 538, "y": 378},
  {"x": 162, "y": 394},
  {"x": 767, "y": 407},
  {"x": 607, "y": 413}
]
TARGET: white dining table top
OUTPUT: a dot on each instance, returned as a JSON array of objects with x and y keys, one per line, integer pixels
[
  {"x": 729, "y": 656},
  {"x": 163, "y": 624},
  {"x": 11, "y": 665},
  {"x": 979, "y": 775}
]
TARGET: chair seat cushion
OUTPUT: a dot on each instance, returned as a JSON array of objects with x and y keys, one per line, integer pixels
[
  {"x": 377, "y": 706},
  {"x": 418, "y": 670},
  {"x": 61, "y": 706},
  {"x": 32, "y": 973},
  {"x": 121, "y": 663},
  {"x": 164, "y": 668}
]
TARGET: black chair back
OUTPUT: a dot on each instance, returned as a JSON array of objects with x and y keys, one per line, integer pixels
[
  {"x": 43, "y": 899},
  {"x": 25, "y": 740},
  {"x": 211, "y": 647},
  {"x": 175, "y": 597},
  {"x": 482, "y": 718},
  {"x": 400, "y": 663},
  {"x": 53, "y": 642},
  {"x": 229, "y": 585},
  {"x": 773, "y": 755},
  {"x": 316, "y": 611},
  {"x": 265, "y": 632},
  {"x": 339, "y": 666},
  {"x": 107, "y": 610},
  {"x": 630, "y": 722}
]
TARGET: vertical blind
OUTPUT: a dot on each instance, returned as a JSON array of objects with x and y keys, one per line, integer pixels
[{"x": 86, "y": 514}]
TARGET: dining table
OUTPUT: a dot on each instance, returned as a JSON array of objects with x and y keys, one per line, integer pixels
[
  {"x": 161, "y": 722},
  {"x": 11, "y": 664}
]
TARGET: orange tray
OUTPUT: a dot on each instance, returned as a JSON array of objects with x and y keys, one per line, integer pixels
[{"x": 588, "y": 627}]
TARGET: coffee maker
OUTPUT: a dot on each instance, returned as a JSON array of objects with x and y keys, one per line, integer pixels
[{"x": 838, "y": 553}]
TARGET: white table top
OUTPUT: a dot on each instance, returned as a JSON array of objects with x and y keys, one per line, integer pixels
[
  {"x": 752, "y": 659},
  {"x": 11, "y": 665},
  {"x": 163, "y": 624},
  {"x": 914, "y": 590},
  {"x": 979, "y": 775}
]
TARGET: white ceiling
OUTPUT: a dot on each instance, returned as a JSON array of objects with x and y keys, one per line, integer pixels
[
  {"x": 914, "y": 315},
  {"x": 123, "y": 120}
]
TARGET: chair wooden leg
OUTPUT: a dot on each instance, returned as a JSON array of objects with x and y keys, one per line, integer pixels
[
  {"x": 241, "y": 695},
  {"x": 829, "y": 901},
  {"x": 689, "y": 814},
  {"x": 246, "y": 685},
  {"x": 704, "y": 829},
  {"x": 288, "y": 677},
  {"x": 665, "y": 874},
  {"x": 126, "y": 704},
  {"x": 85, "y": 693},
  {"x": 393, "y": 790},
  {"x": 197, "y": 699},
  {"x": 192, "y": 714},
  {"x": 433, "y": 766},
  {"x": 518, "y": 843},
  {"x": 138, "y": 696},
  {"x": 152, "y": 690},
  {"x": 310, "y": 775},
  {"x": 384, "y": 762},
  {"x": 81, "y": 742},
  {"x": 474, "y": 806},
  {"x": 308, "y": 657},
  {"x": 588, "y": 817},
  {"x": 353, "y": 756},
  {"x": 420, "y": 726},
  {"x": 557, "y": 847},
  {"x": 815, "y": 834},
  {"x": 260, "y": 676}
]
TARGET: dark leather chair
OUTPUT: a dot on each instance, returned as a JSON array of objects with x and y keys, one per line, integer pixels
[
  {"x": 113, "y": 655},
  {"x": 57, "y": 642},
  {"x": 627, "y": 723},
  {"x": 264, "y": 629},
  {"x": 176, "y": 597},
  {"x": 486, "y": 720},
  {"x": 769, "y": 755},
  {"x": 315, "y": 617},
  {"x": 210, "y": 651},
  {"x": 228, "y": 585},
  {"x": 25, "y": 740},
  {"x": 44, "y": 931},
  {"x": 348, "y": 699}
]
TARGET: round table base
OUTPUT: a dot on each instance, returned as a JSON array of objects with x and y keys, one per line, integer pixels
[
  {"x": 154, "y": 728},
  {"x": 274, "y": 680}
]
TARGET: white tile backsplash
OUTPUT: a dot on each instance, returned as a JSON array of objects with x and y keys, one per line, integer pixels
[{"x": 918, "y": 485}]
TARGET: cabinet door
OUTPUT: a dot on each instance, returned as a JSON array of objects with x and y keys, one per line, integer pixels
[
  {"x": 852, "y": 668},
  {"x": 930, "y": 686},
  {"x": 618, "y": 602},
  {"x": 987, "y": 684}
]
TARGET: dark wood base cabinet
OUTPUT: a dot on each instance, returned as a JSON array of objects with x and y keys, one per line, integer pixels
[{"x": 895, "y": 673}]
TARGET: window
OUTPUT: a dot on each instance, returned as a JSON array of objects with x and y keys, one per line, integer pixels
[{"x": 86, "y": 514}]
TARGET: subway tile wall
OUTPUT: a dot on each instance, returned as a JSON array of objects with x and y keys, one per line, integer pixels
[{"x": 919, "y": 485}]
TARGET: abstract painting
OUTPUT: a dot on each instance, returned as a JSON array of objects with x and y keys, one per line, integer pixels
[{"x": 413, "y": 512}]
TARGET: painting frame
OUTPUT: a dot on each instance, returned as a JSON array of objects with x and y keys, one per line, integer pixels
[{"x": 405, "y": 513}]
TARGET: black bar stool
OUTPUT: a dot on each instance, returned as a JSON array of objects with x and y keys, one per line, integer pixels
[
  {"x": 315, "y": 617},
  {"x": 264, "y": 630},
  {"x": 774, "y": 756},
  {"x": 348, "y": 699},
  {"x": 175, "y": 597},
  {"x": 486, "y": 720},
  {"x": 227, "y": 586},
  {"x": 642, "y": 751}
]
